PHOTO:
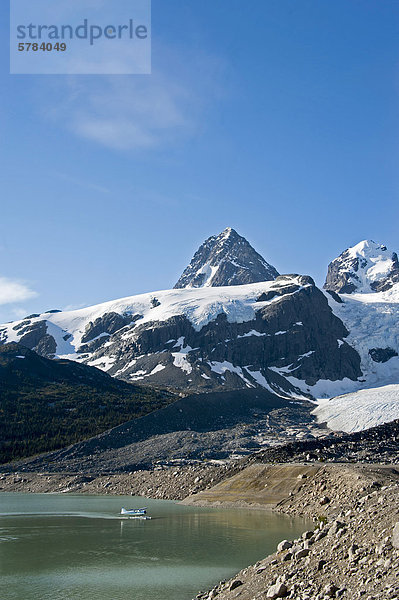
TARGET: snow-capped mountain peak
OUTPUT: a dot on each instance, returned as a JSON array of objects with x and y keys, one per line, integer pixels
[
  {"x": 226, "y": 259},
  {"x": 366, "y": 267}
]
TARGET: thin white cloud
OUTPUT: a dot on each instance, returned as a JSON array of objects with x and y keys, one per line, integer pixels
[
  {"x": 87, "y": 185},
  {"x": 75, "y": 306},
  {"x": 18, "y": 313},
  {"x": 142, "y": 111},
  {"x": 12, "y": 291},
  {"x": 125, "y": 113}
]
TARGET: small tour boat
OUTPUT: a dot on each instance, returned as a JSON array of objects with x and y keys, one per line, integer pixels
[{"x": 134, "y": 512}]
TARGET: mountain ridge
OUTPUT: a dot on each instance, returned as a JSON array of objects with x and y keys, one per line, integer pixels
[
  {"x": 48, "y": 404},
  {"x": 281, "y": 341},
  {"x": 284, "y": 334},
  {"x": 279, "y": 335}
]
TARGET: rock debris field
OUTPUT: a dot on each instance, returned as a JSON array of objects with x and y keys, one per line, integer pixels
[{"x": 352, "y": 551}]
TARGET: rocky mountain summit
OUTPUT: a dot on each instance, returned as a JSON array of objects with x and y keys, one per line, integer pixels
[
  {"x": 366, "y": 267},
  {"x": 225, "y": 259}
]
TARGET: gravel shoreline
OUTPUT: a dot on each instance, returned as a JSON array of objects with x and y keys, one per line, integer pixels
[
  {"x": 166, "y": 483},
  {"x": 352, "y": 552}
]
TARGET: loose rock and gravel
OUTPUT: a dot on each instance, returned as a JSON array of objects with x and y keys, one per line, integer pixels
[
  {"x": 163, "y": 483},
  {"x": 352, "y": 552}
]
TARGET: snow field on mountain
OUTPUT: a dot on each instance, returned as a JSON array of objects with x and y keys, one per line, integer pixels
[
  {"x": 360, "y": 410},
  {"x": 199, "y": 305},
  {"x": 373, "y": 322}
]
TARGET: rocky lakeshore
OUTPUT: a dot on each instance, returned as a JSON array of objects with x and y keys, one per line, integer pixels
[
  {"x": 348, "y": 485},
  {"x": 163, "y": 483},
  {"x": 352, "y": 551}
]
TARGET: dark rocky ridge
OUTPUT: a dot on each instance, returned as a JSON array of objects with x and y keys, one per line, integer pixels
[
  {"x": 107, "y": 324},
  {"x": 293, "y": 333},
  {"x": 237, "y": 263},
  {"x": 19, "y": 364},
  {"x": 378, "y": 444},
  {"x": 296, "y": 334}
]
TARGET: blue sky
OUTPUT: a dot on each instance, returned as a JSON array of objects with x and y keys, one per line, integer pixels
[{"x": 276, "y": 117}]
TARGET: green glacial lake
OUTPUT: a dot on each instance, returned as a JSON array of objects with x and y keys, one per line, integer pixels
[{"x": 73, "y": 547}]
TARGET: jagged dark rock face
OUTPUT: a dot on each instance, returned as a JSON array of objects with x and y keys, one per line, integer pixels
[
  {"x": 108, "y": 323},
  {"x": 226, "y": 259},
  {"x": 103, "y": 327},
  {"x": 382, "y": 355},
  {"x": 294, "y": 335},
  {"x": 339, "y": 280},
  {"x": 35, "y": 337},
  {"x": 393, "y": 277},
  {"x": 356, "y": 269},
  {"x": 335, "y": 296}
]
